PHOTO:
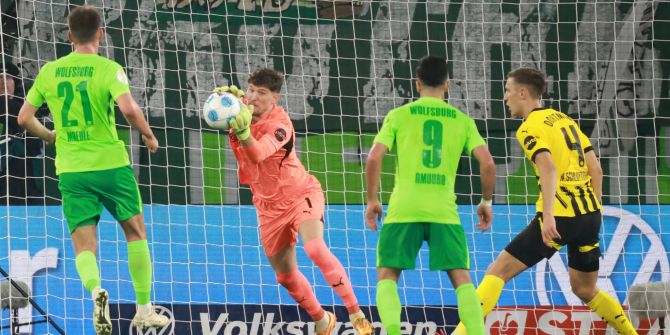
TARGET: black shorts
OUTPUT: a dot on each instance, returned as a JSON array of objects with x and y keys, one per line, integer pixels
[{"x": 579, "y": 233}]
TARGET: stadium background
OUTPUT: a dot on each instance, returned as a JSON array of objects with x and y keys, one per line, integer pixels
[{"x": 607, "y": 64}]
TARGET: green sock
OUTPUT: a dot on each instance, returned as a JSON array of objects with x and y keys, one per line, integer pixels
[
  {"x": 87, "y": 267},
  {"x": 388, "y": 305},
  {"x": 470, "y": 309},
  {"x": 139, "y": 263}
]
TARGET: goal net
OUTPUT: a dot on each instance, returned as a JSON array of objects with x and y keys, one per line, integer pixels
[{"x": 346, "y": 65}]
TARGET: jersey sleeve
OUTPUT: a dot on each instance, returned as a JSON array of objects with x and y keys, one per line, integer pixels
[
  {"x": 387, "y": 134},
  {"x": 532, "y": 140},
  {"x": 117, "y": 81},
  {"x": 474, "y": 139},
  {"x": 35, "y": 95}
]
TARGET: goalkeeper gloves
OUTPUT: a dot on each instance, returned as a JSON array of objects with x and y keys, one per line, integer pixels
[
  {"x": 240, "y": 124},
  {"x": 238, "y": 92}
]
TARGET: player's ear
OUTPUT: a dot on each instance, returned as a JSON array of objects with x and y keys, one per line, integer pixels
[
  {"x": 69, "y": 37},
  {"x": 417, "y": 84},
  {"x": 446, "y": 85},
  {"x": 101, "y": 33}
]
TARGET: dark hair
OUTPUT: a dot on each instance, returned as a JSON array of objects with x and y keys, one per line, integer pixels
[
  {"x": 268, "y": 78},
  {"x": 531, "y": 78},
  {"x": 432, "y": 71},
  {"x": 84, "y": 22}
]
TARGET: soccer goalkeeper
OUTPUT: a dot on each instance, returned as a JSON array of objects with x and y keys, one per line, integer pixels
[
  {"x": 568, "y": 209},
  {"x": 91, "y": 162},
  {"x": 288, "y": 199},
  {"x": 430, "y": 136}
]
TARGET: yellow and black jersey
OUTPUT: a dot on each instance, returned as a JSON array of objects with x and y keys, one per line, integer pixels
[{"x": 548, "y": 130}]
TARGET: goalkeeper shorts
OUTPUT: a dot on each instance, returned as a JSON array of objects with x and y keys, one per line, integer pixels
[
  {"x": 580, "y": 233},
  {"x": 85, "y": 194},
  {"x": 280, "y": 221},
  {"x": 399, "y": 244}
]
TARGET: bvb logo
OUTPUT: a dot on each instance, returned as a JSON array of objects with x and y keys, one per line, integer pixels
[
  {"x": 654, "y": 256},
  {"x": 167, "y": 330}
]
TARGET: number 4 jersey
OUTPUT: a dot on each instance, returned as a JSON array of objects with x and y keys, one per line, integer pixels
[
  {"x": 548, "y": 130},
  {"x": 429, "y": 136},
  {"x": 80, "y": 90}
]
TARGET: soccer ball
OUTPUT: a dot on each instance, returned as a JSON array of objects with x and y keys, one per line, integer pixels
[{"x": 220, "y": 108}]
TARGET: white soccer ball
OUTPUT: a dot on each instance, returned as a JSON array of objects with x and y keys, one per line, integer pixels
[{"x": 220, "y": 108}]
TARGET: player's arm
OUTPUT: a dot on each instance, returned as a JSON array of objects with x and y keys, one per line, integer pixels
[
  {"x": 373, "y": 173},
  {"x": 487, "y": 174},
  {"x": 548, "y": 181},
  {"x": 596, "y": 173},
  {"x": 28, "y": 121},
  {"x": 133, "y": 113}
]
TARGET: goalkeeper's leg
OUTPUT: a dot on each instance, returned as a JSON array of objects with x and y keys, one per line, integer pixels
[
  {"x": 503, "y": 269},
  {"x": 584, "y": 286}
]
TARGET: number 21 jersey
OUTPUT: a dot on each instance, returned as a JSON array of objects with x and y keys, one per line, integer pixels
[{"x": 80, "y": 90}]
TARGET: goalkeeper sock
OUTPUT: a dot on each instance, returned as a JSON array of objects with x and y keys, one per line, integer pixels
[
  {"x": 139, "y": 264},
  {"x": 489, "y": 291},
  {"x": 87, "y": 267},
  {"x": 388, "y": 305},
  {"x": 332, "y": 270},
  {"x": 299, "y": 288},
  {"x": 610, "y": 310},
  {"x": 470, "y": 309}
]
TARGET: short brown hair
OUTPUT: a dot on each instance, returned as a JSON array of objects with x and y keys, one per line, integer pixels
[
  {"x": 84, "y": 22},
  {"x": 268, "y": 78},
  {"x": 531, "y": 78}
]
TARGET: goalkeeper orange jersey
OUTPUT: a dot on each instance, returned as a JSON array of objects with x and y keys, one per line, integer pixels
[
  {"x": 548, "y": 130},
  {"x": 279, "y": 175}
]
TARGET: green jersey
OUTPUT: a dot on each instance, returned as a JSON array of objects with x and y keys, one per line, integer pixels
[
  {"x": 80, "y": 90},
  {"x": 430, "y": 136}
]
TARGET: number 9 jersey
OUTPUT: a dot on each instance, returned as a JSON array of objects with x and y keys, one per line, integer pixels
[
  {"x": 80, "y": 90},
  {"x": 429, "y": 136},
  {"x": 548, "y": 130}
]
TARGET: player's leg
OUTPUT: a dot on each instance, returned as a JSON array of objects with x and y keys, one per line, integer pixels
[
  {"x": 584, "y": 286},
  {"x": 524, "y": 251},
  {"x": 583, "y": 260},
  {"x": 308, "y": 214},
  {"x": 388, "y": 300},
  {"x": 121, "y": 196},
  {"x": 284, "y": 263},
  {"x": 82, "y": 209},
  {"x": 469, "y": 305},
  {"x": 456, "y": 262},
  {"x": 397, "y": 247}
]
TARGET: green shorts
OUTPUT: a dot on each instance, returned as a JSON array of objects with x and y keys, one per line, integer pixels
[
  {"x": 399, "y": 244},
  {"x": 85, "y": 193}
]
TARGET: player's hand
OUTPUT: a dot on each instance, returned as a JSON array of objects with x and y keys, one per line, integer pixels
[
  {"x": 373, "y": 213},
  {"x": 485, "y": 214},
  {"x": 51, "y": 139},
  {"x": 549, "y": 232},
  {"x": 241, "y": 123},
  {"x": 236, "y": 91},
  {"x": 151, "y": 142}
]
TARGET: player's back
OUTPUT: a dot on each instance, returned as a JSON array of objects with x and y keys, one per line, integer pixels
[
  {"x": 80, "y": 90},
  {"x": 429, "y": 136},
  {"x": 552, "y": 131}
]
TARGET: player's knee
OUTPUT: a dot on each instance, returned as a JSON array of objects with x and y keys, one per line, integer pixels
[
  {"x": 584, "y": 292},
  {"x": 316, "y": 250},
  {"x": 285, "y": 279}
]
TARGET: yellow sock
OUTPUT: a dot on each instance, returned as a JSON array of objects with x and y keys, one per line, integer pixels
[
  {"x": 610, "y": 310},
  {"x": 489, "y": 292}
]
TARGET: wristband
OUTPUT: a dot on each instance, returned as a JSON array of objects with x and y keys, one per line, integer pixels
[{"x": 486, "y": 202}]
